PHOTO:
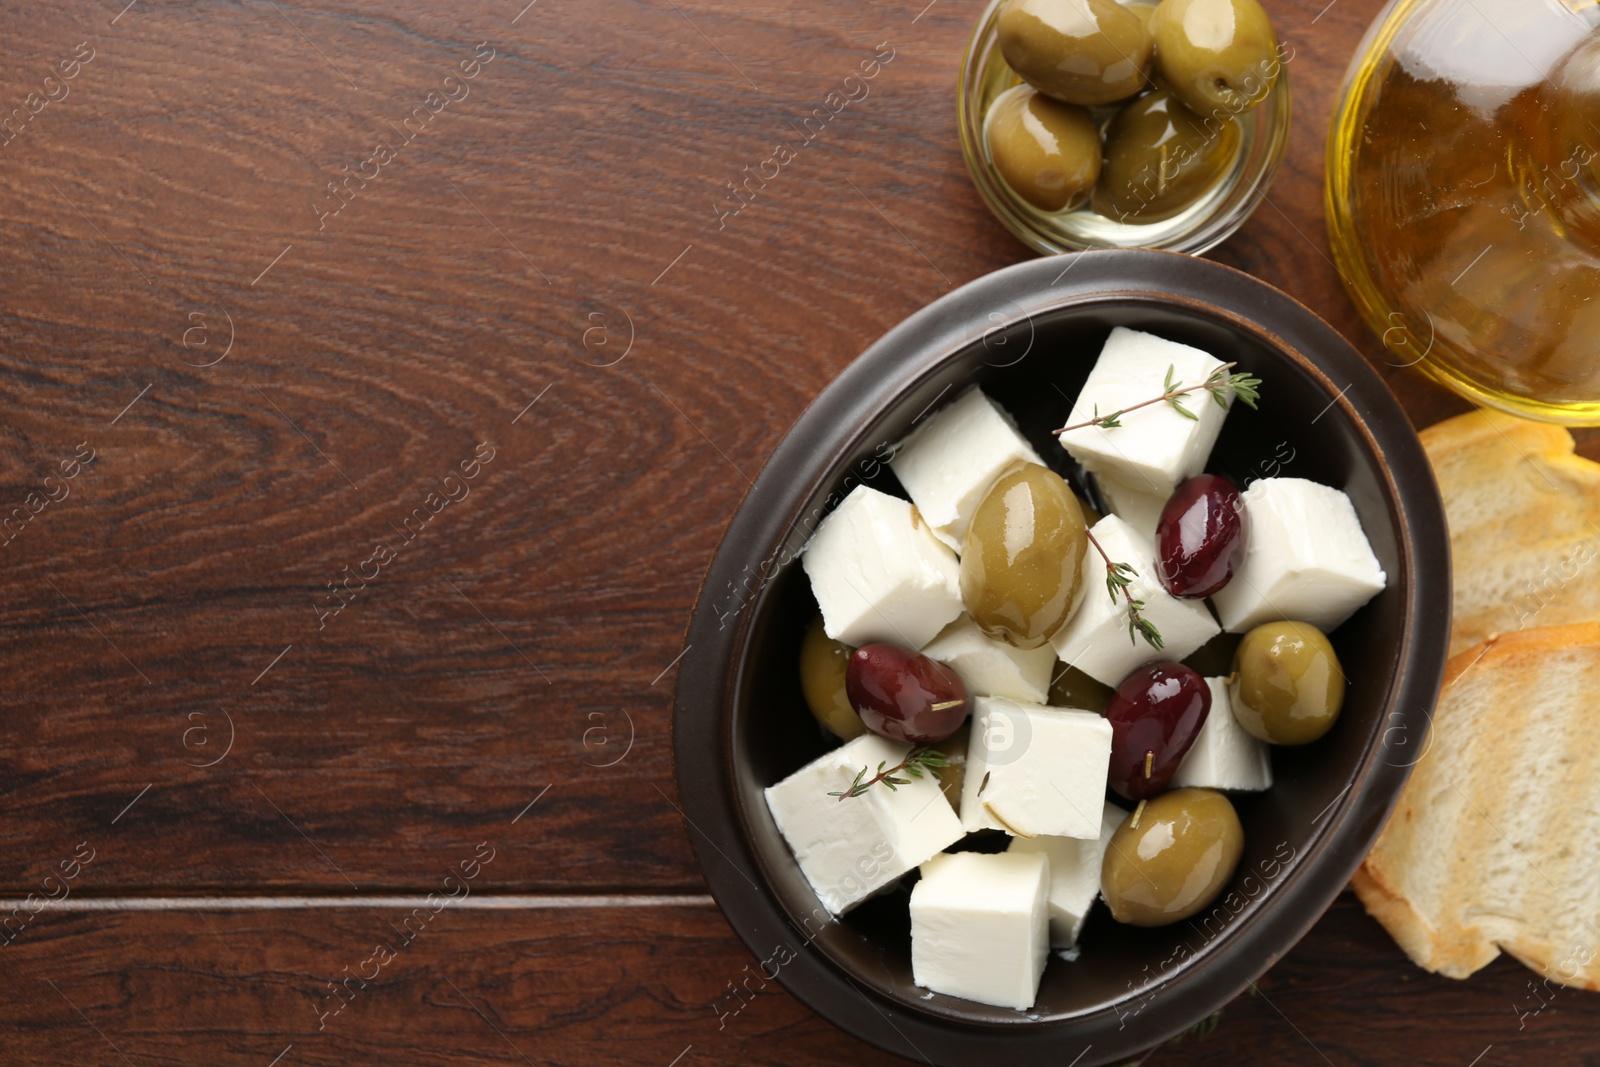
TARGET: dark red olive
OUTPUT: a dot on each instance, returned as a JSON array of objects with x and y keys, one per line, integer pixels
[
  {"x": 904, "y": 695},
  {"x": 1200, "y": 537},
  {"x": 1156, "y": 713}
]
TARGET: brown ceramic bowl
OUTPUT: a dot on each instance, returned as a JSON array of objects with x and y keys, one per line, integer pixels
[{"x": 1029, "y": 335}]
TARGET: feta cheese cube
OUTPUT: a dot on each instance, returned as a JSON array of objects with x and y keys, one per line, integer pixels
[
  {"x": 1138, "y": 506},
  {"x": 1306, "y": 558},
  {"x": 848, "y": 849},
  {"x": 949, "y": 462},
  {"x": 980, "y": 927},
  {"x": 1074, "y": 874},
  {"x": 993, "y": 668},
  {"x": 1095, "y": 640},
  {"x": 1033, "y": 770},
  {"x": 880, "y": 575},
  {"x": 1224, "y": 756},
  {"x": 1155, "y": 444}
]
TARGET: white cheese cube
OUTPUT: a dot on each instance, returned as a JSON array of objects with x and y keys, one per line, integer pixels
[
  {"x": 1155, "y": 444},
  {"x": 850, "y": 848},
  {"x": 1095, "y": 640},
  {"x": 993, "y": 668},
  {"x": 1074, "y": 874},
  {"x": 1138, "y": 506},
  {"x": 1035, "y": 771},
  {"x": 1306, "y": 558},
  {"x": 879, "y": 575},
  {"x": 980, "y": 927},
  {"x": 1223, "y": 755},
  {"x": 949, "y": 462}
]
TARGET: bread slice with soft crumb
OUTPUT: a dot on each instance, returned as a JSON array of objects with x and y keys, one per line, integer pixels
[
  {"x": 1495, "y": 842},
  {"x": 1524, "y": 514}
]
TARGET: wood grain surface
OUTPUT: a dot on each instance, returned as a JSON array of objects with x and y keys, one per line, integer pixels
[
  {"x": 647, "y": 985},
  {"x": 408, "y": 363}
]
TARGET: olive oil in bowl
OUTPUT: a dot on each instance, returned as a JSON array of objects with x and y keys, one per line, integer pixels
[{"x": 1464, "y": 197}]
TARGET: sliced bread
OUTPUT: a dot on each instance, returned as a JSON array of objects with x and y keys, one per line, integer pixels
[
  {"x": 1524, "y": 516},
  {"x": 1493, "y": 843}
]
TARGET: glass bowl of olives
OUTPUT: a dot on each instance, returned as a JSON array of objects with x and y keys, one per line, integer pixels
[
  {"x": 749, "y": 693},
  {"x": 1099, "y": 124}
]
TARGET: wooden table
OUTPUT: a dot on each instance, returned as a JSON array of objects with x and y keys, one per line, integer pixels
[{"x": 401, "y": 491}]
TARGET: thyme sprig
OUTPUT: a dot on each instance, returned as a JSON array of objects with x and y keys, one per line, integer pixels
[
  {"x": 1220, "y": 384},
  {"x": 1118, "y": 577},
  {"x": 919, "y": 761}
]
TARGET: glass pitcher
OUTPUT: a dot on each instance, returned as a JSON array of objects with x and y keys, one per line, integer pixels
[{"x": 1463, "y": 197}]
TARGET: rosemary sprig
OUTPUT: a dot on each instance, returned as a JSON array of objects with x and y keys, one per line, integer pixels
[
  {"x": 1118, "y": 577},
  {"x": 1220, "y": 385},
  {"x": 917, "y": 762}
]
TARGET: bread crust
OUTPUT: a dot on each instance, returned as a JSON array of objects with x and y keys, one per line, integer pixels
[{"x": 1519, "y": 643}]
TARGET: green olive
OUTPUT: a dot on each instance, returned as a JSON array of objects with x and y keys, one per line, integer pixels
[
  {"x": 1160, "y": 158},
  {"x": 822, "y": 664},
  {"x": 1021, "y": 559},
  {"x": 1090, "y": 515},
  {"x": 1071, "y": 688},
  {"x": 1171, "y": 857},
  {"x": 1088, "y": 52},
  {"x": 954, "y": 772},
  {"x": 1218, "y": 55},
  {"x": 1287, "y": 686},
  {"x": 1047, "y": 152}
]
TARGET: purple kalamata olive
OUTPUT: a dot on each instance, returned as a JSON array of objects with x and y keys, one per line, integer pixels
[
  {"x": 1156, "y": 713},
  {"x": 904, "y": 695},
  {"x": 1200, "y": 536}
]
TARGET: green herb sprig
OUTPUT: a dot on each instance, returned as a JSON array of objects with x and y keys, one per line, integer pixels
[
  {"x": 1118, "y": 577},
  {"x": 1220, "y": 384},
  {"x": 919, "y": 761}
]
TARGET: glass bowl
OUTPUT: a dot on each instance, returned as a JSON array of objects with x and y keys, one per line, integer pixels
[
  {"x": 1463, "y": 199},
  {"x": 1203, "y": 225}
]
